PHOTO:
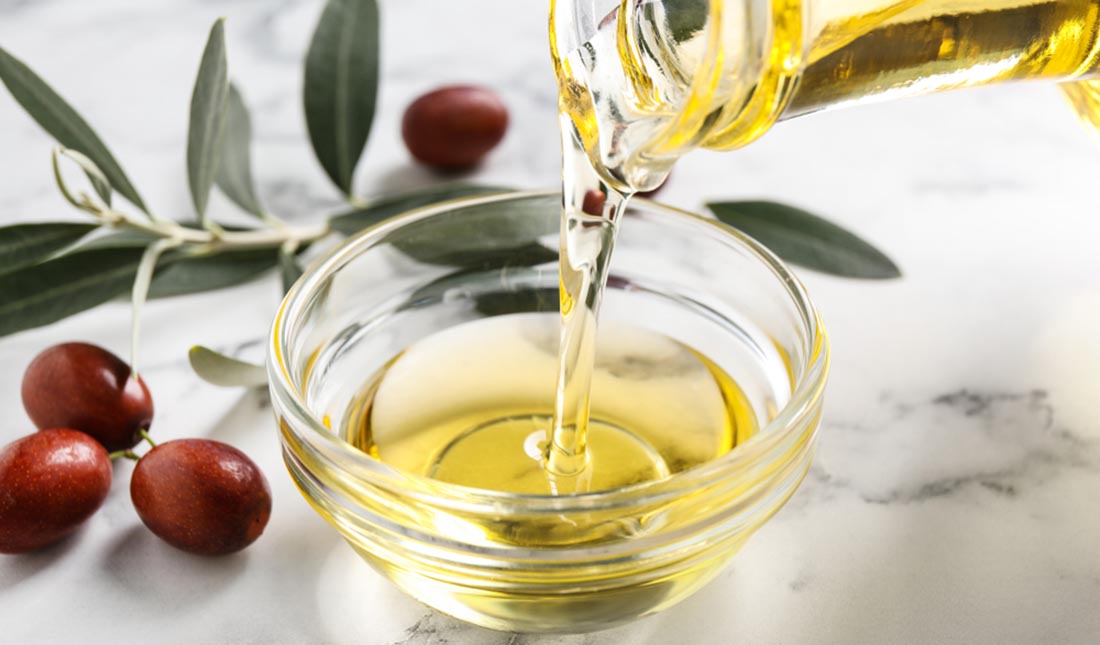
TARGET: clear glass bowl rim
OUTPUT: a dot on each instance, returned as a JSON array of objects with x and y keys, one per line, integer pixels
[{"x": 767, "y": 445}]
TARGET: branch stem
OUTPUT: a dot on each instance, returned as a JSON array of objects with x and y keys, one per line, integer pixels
[
  {"x": 217, "y": 239},
  {"x": 212, "y": 240},
  {"x": 128, "y": 454}
]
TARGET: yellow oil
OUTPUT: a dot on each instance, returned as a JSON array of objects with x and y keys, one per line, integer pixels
[
  {"x": 474, "y": 406},
  {"x": 656, "y": 83}
]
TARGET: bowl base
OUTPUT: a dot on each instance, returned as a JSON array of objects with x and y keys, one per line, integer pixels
[{"x": 528, "y": 609}]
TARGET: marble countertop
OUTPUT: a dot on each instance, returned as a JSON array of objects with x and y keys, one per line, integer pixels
[{"x": 956, "y": 496}]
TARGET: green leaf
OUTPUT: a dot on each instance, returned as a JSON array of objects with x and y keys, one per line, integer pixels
[
  {"x": 198, "y": 272},
  {"x": 492, "y": 256},
  {"x": 341, "y": 85},
  {"x": 485, "y": 289},
  {"x": 511, "y": 242},
  {"x": 118, "y": 239},
  {"x": 129, "y": 238},
  {"x": 218, "y": 369},
  {"x": 179, "y": 273},
  {"x": 508, "y": 233},
  {"x": 499, "y": 303},
  {"x": 56, "y": 117},
  {"x": 182, "y": 275},
  {"x": 807, "y": 240},
  {"x": 99, "y": 181},
  {"x": 25, "y": 244},
  {"x": 44, "y": 293},
  {"x": 234, "y": 176},
  {"x": 207, "y": 118},
  {"x": 289, "y": 269},
  {"x": 685, "y": 17},
  {"x": 385, "y": 207}
]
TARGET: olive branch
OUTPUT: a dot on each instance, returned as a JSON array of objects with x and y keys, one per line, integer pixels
[{"x": 52, "y": 270}]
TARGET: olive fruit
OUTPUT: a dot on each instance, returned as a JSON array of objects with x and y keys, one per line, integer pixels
[
  {"x": 87, "y": 388},
  {"x": 454, "y": 127},
  {"x": 593, "y": 203},
  {"x": 50, "y": 482},
  {"x": 201, "y": 496}
]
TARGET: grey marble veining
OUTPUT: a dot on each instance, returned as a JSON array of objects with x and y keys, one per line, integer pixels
[{"x": 955, "y": 495}]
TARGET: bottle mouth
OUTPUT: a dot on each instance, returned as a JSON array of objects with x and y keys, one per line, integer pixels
[
  {"x": 646, "y": 83},
  {"x": 307, "y": 438}
]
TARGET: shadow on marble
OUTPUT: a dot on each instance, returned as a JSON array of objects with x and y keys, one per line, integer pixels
[
  {"x": 296, "y": 548},
  {"x": 159, "y": 575},
  {"x": 237, "y": 426},
  {"x": 407, "y": 177},
  {"x": 15, "y": 569}
]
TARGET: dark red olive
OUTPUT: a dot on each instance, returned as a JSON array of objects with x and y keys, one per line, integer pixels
[
  {"x": 593, "y": 203},
  {"x": 454, "y": 127},
  {"x": 50, "y": 482},
  {"x": 87, "y": 388},
  {"x": 201, "y": 496}
]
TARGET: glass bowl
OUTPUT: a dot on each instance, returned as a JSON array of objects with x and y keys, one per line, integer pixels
[{"x": 637, "y": 549}]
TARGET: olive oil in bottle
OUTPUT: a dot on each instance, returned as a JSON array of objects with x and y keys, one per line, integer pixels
[{"x": 655, "y": 79}]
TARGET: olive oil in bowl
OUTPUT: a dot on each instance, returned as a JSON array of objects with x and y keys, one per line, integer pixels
[{"x": 658, "y": 408}]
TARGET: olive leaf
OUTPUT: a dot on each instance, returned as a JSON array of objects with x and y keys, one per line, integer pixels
[
  {"x": 807, "y": 240},
  {"x": 179, "y": 274},
  {"x": 44, "y": 293},
  {"x": 234, "y": 171},
  {"x": 499, "y": 303},
  {"x": 25, "y": 244},
  {"x": 483, "y": 288},
  {"x": 116, "y": 239},
  {"x": 207, "y": 121},
  {"x": 508, "y": 233},
  {"x": 387, "y": 206},
  {"x": 105, "y": 268},
  {"x": 99, "y": 181},
  {"x": 685, "y": 17},
  {"x": 218, "y": 369},
  {"x": 341, "y": 85},
  {"x": 59, "y": 119},
  {"x": 511, "y": 241}
]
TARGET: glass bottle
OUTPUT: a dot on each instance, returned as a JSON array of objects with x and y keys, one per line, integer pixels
[{"x": 645, "y": 81}]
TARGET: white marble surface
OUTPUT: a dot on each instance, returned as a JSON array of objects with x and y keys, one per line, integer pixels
[{"x": 956, "y": 497}]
